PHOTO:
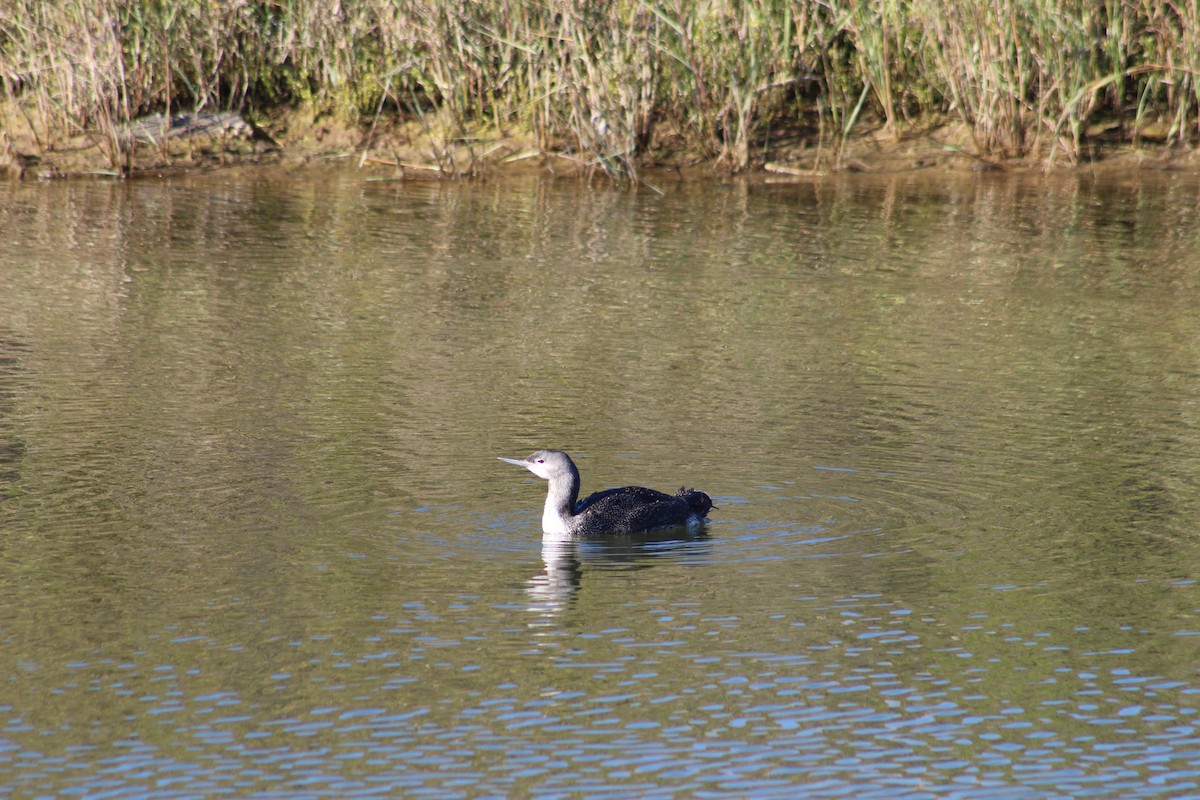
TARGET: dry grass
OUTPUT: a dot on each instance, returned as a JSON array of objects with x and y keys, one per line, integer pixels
[{"x": 607, "y": 80}]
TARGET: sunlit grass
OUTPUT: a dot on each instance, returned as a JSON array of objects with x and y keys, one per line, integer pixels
[{"x": 610, "y": 80}]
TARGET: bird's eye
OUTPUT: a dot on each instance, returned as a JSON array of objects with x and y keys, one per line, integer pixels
[{"x": 541, "y": 461}]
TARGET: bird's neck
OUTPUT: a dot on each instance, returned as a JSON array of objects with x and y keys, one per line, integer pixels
[{"x": 560, "y": 504}]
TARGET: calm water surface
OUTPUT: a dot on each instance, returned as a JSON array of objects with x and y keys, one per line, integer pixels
[{"x": 255, "y": 541}]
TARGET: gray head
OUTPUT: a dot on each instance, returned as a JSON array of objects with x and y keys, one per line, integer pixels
[{"x": 546, "y": 464}]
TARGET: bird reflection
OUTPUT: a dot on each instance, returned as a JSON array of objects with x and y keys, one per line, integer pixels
[{"x": 553, "y": 590}]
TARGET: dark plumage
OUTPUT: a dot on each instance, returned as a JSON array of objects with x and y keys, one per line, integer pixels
[{"x": 630, "y": 509}]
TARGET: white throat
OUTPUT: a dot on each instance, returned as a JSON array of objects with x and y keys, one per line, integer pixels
[{"x": 553, "y": 521}]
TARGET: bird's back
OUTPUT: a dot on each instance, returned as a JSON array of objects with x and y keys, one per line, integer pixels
[{"x": 632, "y": 509}]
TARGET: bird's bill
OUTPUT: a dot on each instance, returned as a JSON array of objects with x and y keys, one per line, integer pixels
[{"x": 520, "y": 462}]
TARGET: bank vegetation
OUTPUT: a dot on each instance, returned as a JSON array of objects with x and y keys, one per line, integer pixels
[{"x": 614, "y": 83}]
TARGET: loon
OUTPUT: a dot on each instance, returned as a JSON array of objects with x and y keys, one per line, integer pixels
[{"x": 632, "y": 509}]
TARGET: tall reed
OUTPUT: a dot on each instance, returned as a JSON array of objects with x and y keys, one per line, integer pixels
[{"x": 609, "y": 80}]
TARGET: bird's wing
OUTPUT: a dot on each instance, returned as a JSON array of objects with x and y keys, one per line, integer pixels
[
  {"x": 626, "y": 494},
  {"x": 633, "y": 509}
]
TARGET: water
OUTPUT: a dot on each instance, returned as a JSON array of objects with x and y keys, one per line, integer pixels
[{"x": 254, "y": 540}]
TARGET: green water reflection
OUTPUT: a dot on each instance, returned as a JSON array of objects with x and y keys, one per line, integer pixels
[{"x": 254, "y": 538}]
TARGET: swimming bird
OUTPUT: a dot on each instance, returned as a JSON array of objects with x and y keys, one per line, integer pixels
[{"x": 631, "y": 509}]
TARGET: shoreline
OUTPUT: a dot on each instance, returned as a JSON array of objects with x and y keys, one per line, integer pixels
[{"x": 412, "y": 151}]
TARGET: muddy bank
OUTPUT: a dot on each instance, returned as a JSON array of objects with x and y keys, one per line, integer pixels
[{"x": 159, "y": 145}]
